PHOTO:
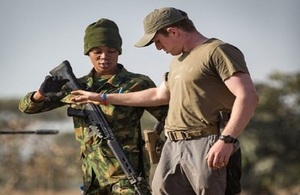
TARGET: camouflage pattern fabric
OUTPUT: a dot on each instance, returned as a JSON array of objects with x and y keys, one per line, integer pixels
[{"x": 102, "y": 173}]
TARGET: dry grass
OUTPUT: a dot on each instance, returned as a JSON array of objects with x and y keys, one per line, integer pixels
[
  {"x": 50, "y": 192},
  {"x": 292, "y": 191}
]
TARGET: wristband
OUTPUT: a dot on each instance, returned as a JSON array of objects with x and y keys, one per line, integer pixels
[{"x": 103, "y": 98}]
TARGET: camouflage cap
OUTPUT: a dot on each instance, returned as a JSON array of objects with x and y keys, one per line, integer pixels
[{"x": 157, "y": 20}]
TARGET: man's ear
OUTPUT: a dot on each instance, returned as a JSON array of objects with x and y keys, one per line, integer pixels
[{"x": 173, "y": 30}]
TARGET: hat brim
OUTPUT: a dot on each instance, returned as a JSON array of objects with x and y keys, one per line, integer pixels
[{"x": 145, "y": 40}]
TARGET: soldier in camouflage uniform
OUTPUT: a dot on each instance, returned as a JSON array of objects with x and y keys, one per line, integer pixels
[{"x": 102, "y": 173}]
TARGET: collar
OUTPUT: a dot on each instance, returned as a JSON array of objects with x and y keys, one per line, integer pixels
[{"x": 115, "y": 80}]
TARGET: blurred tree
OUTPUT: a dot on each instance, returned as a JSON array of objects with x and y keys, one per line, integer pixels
[
  {"x": 31, "y": 162},
  {"x": 271, "y": 141}
]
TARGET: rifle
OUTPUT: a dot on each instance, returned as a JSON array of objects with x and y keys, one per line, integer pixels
[
  {"x": 99, "y": 125},
  {"x": 39, "y": 132}
]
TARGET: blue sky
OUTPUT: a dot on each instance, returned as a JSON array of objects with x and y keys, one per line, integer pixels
[{"x": 37, "y": 35}]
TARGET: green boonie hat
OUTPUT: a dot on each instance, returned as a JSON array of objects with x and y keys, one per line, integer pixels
[
  {"x": 156, "y": 20},
  {"x": 103, "y": 33}
]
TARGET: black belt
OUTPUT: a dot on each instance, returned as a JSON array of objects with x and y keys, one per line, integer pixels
[{"x": 191, "y": 134}]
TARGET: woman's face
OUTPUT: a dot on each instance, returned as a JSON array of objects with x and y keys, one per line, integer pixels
[{"x": 104, "y": 59}]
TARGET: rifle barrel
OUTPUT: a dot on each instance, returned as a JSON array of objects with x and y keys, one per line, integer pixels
[{"x": 40, "y": 132}]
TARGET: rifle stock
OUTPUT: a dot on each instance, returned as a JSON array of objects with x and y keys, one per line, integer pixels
[{"x": 99, "y": 125}]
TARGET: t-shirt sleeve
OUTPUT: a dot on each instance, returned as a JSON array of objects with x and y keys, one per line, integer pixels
[{"x": 227, "y": 60}]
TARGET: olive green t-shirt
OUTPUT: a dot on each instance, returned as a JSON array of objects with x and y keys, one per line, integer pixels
[{"x": 196, "y": 84}]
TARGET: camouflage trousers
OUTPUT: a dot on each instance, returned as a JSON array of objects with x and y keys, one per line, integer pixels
[
  {"x": 117, "y": 188},
  {"x": 121, "y": 187},
  {"x": 102, "y": 175}
]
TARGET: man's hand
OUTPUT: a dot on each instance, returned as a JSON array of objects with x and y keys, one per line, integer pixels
[
  {"x": 219, "y": 154},
  {"x": 51, "y": 87},
  {"x": 83, "y": 97}
]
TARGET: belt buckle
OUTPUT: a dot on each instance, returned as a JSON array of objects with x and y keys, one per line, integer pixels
[
  {"x": 178, "y": 135},
  {"x": 171, "y": 136},
  {"x": 185, "y": 135}
]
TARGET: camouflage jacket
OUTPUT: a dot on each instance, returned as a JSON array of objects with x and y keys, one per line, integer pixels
[{"x": 125, "y": 121}]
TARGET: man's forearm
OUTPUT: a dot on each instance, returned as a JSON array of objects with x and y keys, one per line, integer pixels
[
  {"x": 242, "y": 111},
  {"x": 145, "y": 98}
]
